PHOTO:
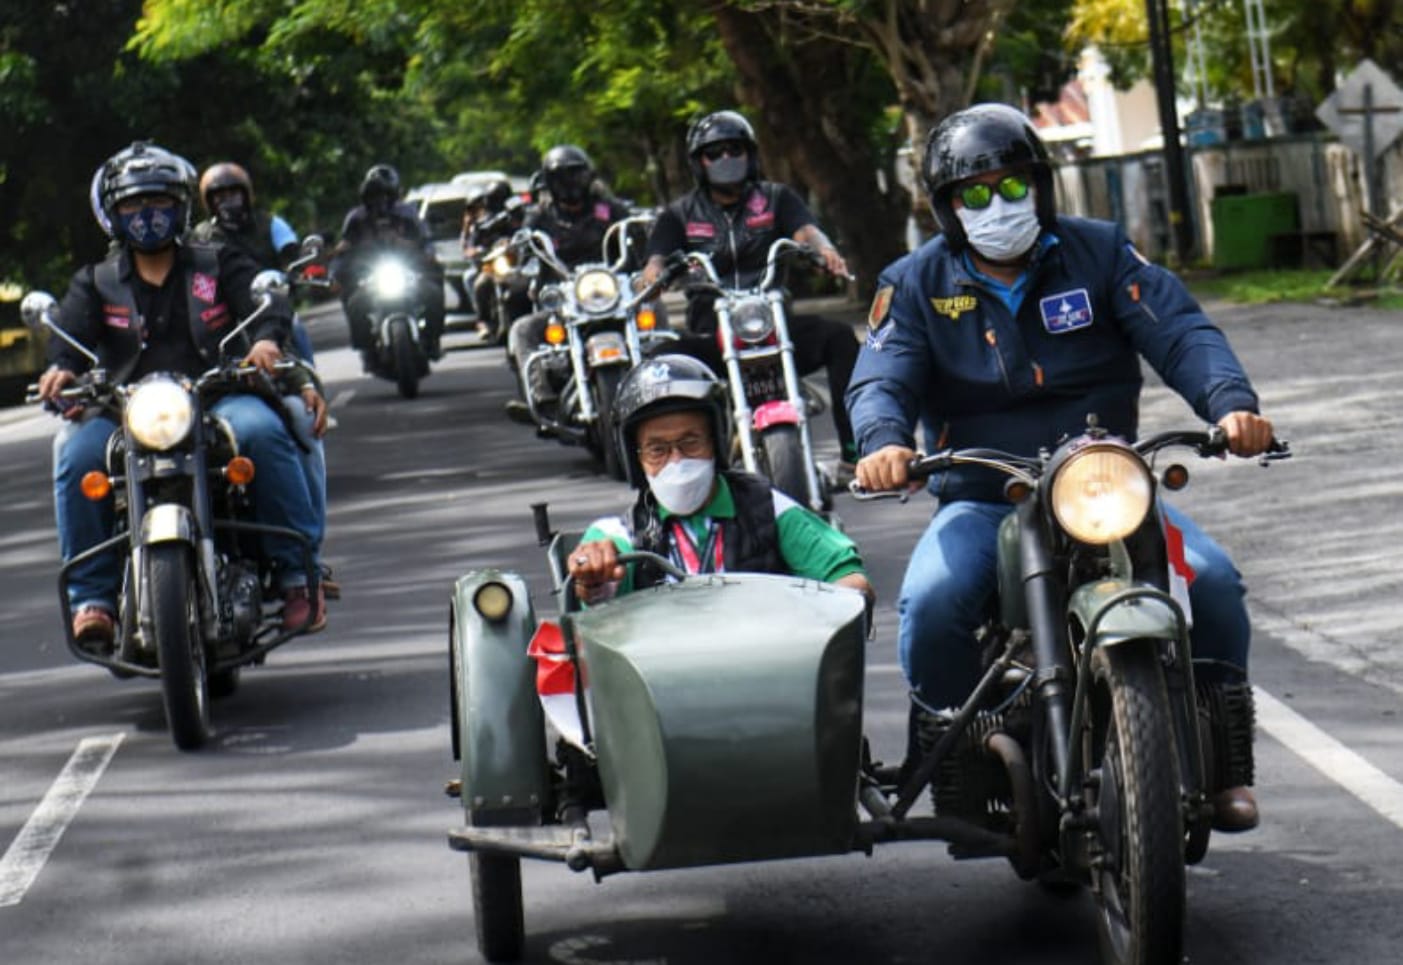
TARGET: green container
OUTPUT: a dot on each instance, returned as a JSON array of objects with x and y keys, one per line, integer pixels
[{"x": 1244, "y": 225}]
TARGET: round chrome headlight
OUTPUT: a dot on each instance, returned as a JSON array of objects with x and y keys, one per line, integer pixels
[
  {"x": 1102, "y": 494},
  {"x": 389, "y": 279},
  {"x": 752, "y": 320},
  {"x": 596, "y": 290},
  {"x": 503, "y": 264},
  {"x": 159, "y": 414}
]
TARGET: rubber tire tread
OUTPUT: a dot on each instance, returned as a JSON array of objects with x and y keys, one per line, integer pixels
[
  {"x": 406, "y": 359},
  {"x": 497, "y": 911},
  {"x": 184, "y": 687},
  {"x": 606, "y": 382},
  {"x": 783, "y": 451}
]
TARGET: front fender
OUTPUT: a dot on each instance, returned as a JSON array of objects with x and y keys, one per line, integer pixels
[
  {"x": 1119, "y": 610},
  {"x": 168, "y": 523},
  {"x": 498, "y": 728}
]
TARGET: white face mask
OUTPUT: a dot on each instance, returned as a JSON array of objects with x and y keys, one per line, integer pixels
[
  {"x": 1003, "y": 231},
  {"x": 681, "y": 487}
]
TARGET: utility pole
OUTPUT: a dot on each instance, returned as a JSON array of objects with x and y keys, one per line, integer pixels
[{"x": 1180, "y": 227}]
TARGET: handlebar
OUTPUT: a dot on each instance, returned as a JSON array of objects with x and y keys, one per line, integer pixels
[{"x": 778, "y": 249}]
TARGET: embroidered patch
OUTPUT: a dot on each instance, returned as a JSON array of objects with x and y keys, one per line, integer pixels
[
  {"x": 881, "y": 304},
  {"x": 760, "y": 220},
  {"x": 117, "y": 321},
  {"x": 701, "y": 229},
  {"x": 756, "y": 202},
  {"x": 204, "y": 287},
  {"x": 1066, "y": 312},
  {"x": 601, "y": 211},
  {"x": 215, "y": 317},
  {"x": 954, "y": 307}
]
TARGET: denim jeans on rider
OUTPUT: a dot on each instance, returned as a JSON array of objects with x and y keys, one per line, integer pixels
[
  {"x": 952, "y": 577},
  {"x": 311, "y": 454},
  {"x": 280, "y": 496}
]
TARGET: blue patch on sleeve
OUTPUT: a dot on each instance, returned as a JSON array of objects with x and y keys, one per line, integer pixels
[{"x": 1066, "y": 311}]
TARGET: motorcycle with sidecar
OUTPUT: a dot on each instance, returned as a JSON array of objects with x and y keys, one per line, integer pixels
[{"x": 1086, "y": 755}]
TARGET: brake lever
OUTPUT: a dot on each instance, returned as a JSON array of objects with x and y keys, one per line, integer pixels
[{"x": 862, "y": 494}]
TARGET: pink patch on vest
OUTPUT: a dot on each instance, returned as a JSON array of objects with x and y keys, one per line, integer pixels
[
  {"x": 760, "y": 220},
  {"x": 215, "y": 317},
  {"x": 117, "y": 321},
  {"x": 204, "y": 287},
  {"x": 701, "y": 229},
  {"x": 601, "y": 211},
  {"x": 757, "y": 202}
]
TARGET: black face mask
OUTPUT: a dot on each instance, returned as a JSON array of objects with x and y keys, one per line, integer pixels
[
  {"x": 232, "y": 213},
  {"x": 569, "y": 186}
]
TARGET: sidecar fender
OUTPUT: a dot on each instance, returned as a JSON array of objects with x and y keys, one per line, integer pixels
[
  {"x": 1121, "y": 610},
  {"x": 498, "y": 731},
  {"x": 167, "y": 523}
]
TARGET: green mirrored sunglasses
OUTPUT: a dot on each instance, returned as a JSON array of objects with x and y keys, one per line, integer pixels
[{"x": 1011, "y": 187}]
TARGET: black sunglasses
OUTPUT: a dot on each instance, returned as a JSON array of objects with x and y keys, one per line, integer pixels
[
  {"x": 1011, "y": 187},
  {"x": 714, "y": 152}
]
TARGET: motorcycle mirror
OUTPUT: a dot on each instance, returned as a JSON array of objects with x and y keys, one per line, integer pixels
[
  {"x": 267, "y": 283},
  {"x": 312, "y": 245},
  {"x": 39, "y": 310}
]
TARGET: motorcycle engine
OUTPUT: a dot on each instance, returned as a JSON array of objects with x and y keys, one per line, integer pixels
[{"x": 242, "y": 599}]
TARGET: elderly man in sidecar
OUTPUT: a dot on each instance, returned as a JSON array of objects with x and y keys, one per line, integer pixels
[{"x": 675, "y": 434}]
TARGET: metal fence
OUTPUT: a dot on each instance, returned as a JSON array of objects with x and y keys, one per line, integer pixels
[{"x": 1325, "y": 176}]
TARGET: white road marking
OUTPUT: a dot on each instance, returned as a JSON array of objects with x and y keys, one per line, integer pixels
[
  {"x": 341, "y": 398},
  {"x": 1330, "y": 757},
  {"x": 31, "y": 848}
]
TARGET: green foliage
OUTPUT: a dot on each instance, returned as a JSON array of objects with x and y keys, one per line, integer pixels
[{"x": 1264, "y": 287}]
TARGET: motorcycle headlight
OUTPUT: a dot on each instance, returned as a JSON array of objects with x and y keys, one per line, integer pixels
[
  {"x": 1101, "y": 494},
  {"x": 596, "y": 290},
  {"x": 389, "y": 279},
  {"x": 503, "y": 264},
  {"x": 752, "y": 321},
  {"x": 159, "y": 414}
]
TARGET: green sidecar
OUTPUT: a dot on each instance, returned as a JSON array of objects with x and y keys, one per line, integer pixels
[{"x": 720, "y": 720}]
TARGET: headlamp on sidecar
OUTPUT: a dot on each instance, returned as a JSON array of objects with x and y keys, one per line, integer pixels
[
  {"x": 596, "y": 290},
  {"x": 389, "y": 279},
  {"x": 1101, "y": 493},
  {"x": 493, "y": 601},
  {"x": 159, "y": 414}
]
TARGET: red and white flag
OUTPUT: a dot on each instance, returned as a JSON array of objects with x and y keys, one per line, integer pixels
[{"x": 555, "y": 681}]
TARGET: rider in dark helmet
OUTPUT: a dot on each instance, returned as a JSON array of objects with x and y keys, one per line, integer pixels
[
  {"x": 575, "y": 211},
  {"x": 492, "y": 212},
  {"x": 674, "y": 429},
  {"x": 1007, "y": 331},
  {"x": 734, "y": 216},
  {"x": 383, "y": 223},
  {"x": 158, "y": 303}
]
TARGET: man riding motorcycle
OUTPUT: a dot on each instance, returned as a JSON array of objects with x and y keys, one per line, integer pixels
[
  {"x": 492, "y": 212},
  {"x": 381, "y": 222},
  {"x": 675, "y": 431},
  {"x": 1007, "y": 331},
  {"x": 159, "y": 304},
  {"x": 575, "y": 213}
]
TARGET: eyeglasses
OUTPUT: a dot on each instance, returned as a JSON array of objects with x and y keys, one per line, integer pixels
[
  {"x": 691, "y": 446},
  {"x": 1011, "y": 187},
  {"x": 714, "y": 152}
]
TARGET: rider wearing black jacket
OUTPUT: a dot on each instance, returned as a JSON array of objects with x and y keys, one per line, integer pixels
[
  {"x": 734, "y": 216},
  {"x": 380, "y": 223}
]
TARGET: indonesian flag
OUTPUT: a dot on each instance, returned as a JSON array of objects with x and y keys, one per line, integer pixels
[
  {"x": 555, "y": 682},
  {"x": 1181, "y": 574}
]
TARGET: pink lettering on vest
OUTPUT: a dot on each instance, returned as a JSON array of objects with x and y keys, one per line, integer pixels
[
  {"x": 215, "y": 317},
  {"x": 117, "y": 321},
  {"x": 760, "y": 220},
  {"x": 701, "y": 229}
]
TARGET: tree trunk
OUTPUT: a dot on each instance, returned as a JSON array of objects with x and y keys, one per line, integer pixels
[{"x": 802, "y": 97}]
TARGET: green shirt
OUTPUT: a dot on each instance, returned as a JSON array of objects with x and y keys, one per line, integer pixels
[{"x": 809, "y": 546}]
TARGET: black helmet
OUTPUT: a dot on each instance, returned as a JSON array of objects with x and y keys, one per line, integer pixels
[
  {"x": 381, "y": 181},
  {"x": 141, "y": 168},
  {"x": 491, "y": 195},
  {"x": 225, "y": 174},
  {"x": 664, "y": 384},
  {"x": 567, "y": 172},
  {"x": 721, "y": 126},
  {"x": 985, "y": 137}
]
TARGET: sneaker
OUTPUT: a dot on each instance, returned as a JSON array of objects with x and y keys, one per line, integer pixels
[
  {"x": 95, "y": 629},
  {"x": 300, "y": 613}
]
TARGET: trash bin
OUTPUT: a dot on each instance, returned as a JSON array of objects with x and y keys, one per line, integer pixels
[{"x": 1245, "y": 224}]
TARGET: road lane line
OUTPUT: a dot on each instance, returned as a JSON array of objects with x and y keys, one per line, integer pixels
[
  {"x": 31, "y": 848},
  {"x": 1330, "y": 757},
  {"x": 341, "y": 398}
]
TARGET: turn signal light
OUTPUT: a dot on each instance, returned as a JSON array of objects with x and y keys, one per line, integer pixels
[
  {"x": 96, "y": 486},
  {"x": 239, "y": 471},
  {"x": 1176, "y": 477},
  {"x": 647, "y": 320},
  {"x": 555, "y": 333}
]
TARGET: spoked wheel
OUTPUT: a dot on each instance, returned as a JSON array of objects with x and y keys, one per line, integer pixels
[
  {"x": 497, "y": 909},
  {"x": 783, "y": 451},
  {"x": 1137, "y": 873},
  {"x": 406, "y": 358},
  {"x": 176, "y": 618}
]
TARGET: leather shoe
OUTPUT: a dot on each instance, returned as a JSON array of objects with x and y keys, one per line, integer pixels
[
  {"x": 1235, "y": 810},
  {"x": 94, "y": 629},
  {"x": 302, "y": 613}
]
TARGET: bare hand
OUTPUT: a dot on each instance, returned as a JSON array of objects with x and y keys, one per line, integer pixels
[
  {"x": 1248, "y": 433},
  {"x": 885, "y": 469},
  {"x": 264, "y": 355},
  {"x": 833, "y": 261},
  {"x": 54, "y": 381},
  {"x": 653, "y": 269},
  {"x": 316, "y": 405},
  {"x": 595, "y": 563}
]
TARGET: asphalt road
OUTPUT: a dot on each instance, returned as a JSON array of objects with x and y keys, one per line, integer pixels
[{"x": 313, "y": 829}]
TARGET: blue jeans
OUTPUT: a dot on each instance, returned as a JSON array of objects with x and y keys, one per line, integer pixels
[
  {"x": 313, "y": 461},
  {"x": 952, "y": 579},
  {"x": 280, "y": 497}
]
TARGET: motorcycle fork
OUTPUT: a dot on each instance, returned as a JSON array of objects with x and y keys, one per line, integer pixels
[
  {"x": 580, "y": 370},
  {"x": 796, "y": 396}
]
